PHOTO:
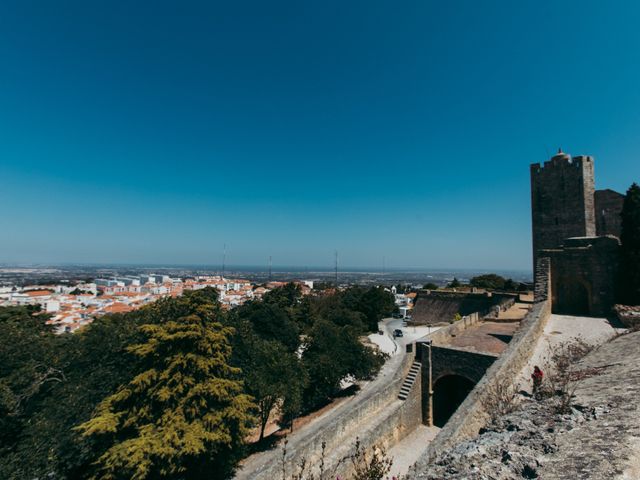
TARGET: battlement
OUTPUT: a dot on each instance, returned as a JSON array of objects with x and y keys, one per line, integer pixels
[{"x": 561, "y": 160}]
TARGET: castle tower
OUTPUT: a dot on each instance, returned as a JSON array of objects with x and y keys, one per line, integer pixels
[{"x": 562, "y": 201}]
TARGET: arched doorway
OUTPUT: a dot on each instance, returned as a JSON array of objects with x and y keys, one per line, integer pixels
[
  {"x": 571, "y": 297},
  {"x": 448, "y": 393}
]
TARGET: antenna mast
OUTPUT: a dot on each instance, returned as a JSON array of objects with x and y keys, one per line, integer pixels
[
  {"x": 336, "y": 267},
  {"x": 269, "y": 267},
  {"x": 224, "y": 258}
]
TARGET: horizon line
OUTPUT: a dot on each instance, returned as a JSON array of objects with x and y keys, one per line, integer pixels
[{"x": 320, "y": 268}]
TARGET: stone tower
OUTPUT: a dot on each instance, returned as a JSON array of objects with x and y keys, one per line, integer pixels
[{"x": 562, "y": 201}]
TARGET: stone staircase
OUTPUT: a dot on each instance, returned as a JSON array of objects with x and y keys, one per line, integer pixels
[{"x": 414, "y": 371}]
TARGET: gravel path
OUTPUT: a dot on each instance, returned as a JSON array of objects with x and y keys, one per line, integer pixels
[
  {"x": 609, "y": 445},
  {"x": 563, "y": 328},
  {"x": 407, "y": 452}
]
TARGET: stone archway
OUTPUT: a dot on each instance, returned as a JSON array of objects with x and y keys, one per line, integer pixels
[
  {"x": 571, "y": 296},
  {"x": 449, "y": 392}
]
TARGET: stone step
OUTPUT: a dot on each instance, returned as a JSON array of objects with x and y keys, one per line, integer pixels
[{"x": 409, "y": 380}]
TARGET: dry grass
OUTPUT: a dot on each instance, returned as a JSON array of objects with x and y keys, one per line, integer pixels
[
  {"x": 500, "y": 399},
  {"x": 366, "y": 465},
  {"x": 563, "y": 372}
]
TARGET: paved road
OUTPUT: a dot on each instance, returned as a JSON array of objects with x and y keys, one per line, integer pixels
[{"x": 410, "y": 334}]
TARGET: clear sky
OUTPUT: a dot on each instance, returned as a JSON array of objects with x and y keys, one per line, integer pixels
[{"x": 155, "y": 132}]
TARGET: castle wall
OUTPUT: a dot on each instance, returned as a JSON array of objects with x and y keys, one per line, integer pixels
[
  {"x": 608, "y": 207},
  {"x": 433, "y": 307},
  {"x": 567, "y": 214},
  {"x": 392, "y": 426},
  {"x": 583, "y": 275},
  {"x": 380, "y": 419},
  {"x": 542, "y": 279},
  {"x": 451, "y": 361},
  {"x": 446, "y": 361},
  {"x": 472, "y": 415},
  {"x": 443, "y": 335}
]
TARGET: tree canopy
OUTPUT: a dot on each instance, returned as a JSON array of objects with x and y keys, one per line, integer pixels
[
  {"x": 629, "y": 285},
  {"x": 332, "y": 354},
  {"x": 173, "y": 389},
  {"x": 490, "y": 281},
  {"x": 184, "y": 415}
]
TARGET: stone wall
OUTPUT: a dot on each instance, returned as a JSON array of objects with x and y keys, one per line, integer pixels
[
  {"x": 432, "y": 307},
  {"x": 452, "y": 361},
  {"x": 392, "y": 425},
  {"x": 443, "y": 335},
  {"x": 608, "y": 206},
  {"x": 440, "y": 362},
  {"x": 364, "y": 420},
  {"x": 583, "y": 275},
  {"x": 542, "y": 279},
  {"x": 503, "y": 306},
  {"x": 471, "y": 415}
]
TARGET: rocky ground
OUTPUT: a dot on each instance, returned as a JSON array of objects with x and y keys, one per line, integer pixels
[{"x": 599, "y": 437}]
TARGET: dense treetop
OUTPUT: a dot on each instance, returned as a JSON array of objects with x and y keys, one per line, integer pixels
[
  {"x": 172, "y": 390},
  {"x": 629, "y": 286}
]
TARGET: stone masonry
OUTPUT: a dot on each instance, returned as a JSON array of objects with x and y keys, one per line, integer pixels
[
  {"x": 562, "y": 200},
  {"x": 577, "y": 229},
  {"x": 608, "y": 208},
  {"x": 583, "y": 274}
]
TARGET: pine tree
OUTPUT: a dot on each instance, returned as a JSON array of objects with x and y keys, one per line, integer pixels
[
  {"x": 630, "y": 251},
  {"x": 184, "y": 416}
]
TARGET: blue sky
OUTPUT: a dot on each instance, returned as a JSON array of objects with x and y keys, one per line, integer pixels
[{"x": 155, "y": 132}]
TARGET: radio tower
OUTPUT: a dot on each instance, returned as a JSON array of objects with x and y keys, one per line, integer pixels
[
  {"x": 269, "y": 267},
  {"x": 224, "y": 258},
  {"x": 336, "y": 267}
]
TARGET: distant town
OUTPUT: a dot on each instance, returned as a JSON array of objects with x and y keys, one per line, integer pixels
[
  {"x": 73, "y": 302},
  {"x": 73, "y": 306}
]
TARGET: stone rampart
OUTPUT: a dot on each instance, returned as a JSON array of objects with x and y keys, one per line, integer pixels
[
  {"x": 434, "y": 307},
  {"x": 443, "y": 335},
  {"x": 363, "y": 420},
  {"x": 471, "y": 415},
  {"x": 392, "y": 425}
]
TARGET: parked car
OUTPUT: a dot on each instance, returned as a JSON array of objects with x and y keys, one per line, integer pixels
[
  {"x": 380, "y": 332},
  {"x": 397, "y": 333},
  {"x": 396, "y": 315}
]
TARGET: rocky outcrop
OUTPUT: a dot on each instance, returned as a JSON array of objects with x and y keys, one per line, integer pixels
[{"x": 598, "y": 438}]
